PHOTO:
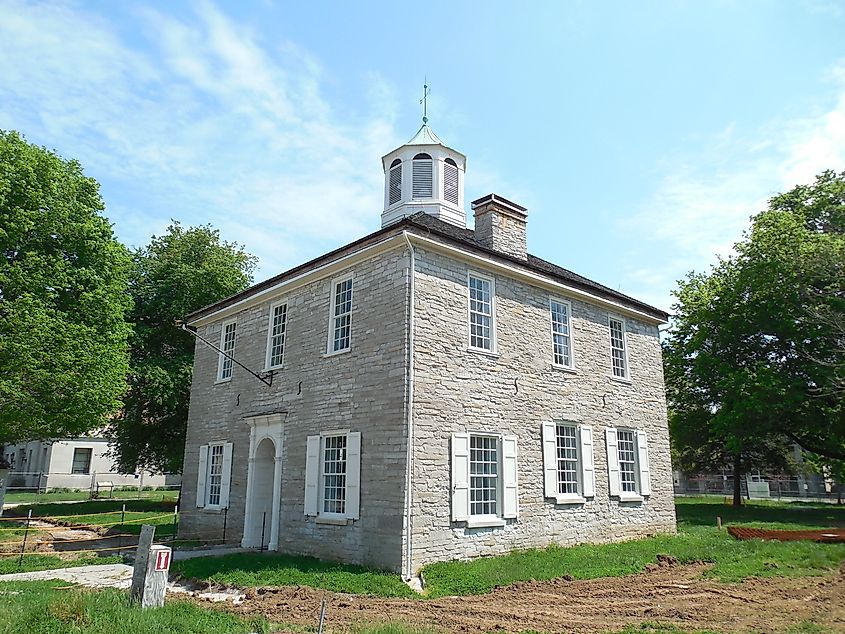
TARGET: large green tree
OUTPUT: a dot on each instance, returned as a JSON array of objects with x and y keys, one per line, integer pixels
[
  {"x": 756, "y": 351},
  {"x": 63, "y": 277},
  {"x": 177, "y": 273}
]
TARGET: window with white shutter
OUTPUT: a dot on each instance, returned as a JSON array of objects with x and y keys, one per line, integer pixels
[
  {"x": 395, "y": 183},
  {"x": 484, "y": 479},
  {"x": 568, "y": 462},
  {"x": 333, "y": 476},
  {"x": 627, "y": 463},
  {"x": 421, "y": 182},
  {"x": 214, "y": 475},
  {"x": 450, "y": 181}
]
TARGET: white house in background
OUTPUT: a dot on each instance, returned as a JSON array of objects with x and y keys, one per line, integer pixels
[{"x": 72, "y": 463}]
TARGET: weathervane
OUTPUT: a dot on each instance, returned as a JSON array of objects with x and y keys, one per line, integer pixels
[{"x": 424, "y": 100}]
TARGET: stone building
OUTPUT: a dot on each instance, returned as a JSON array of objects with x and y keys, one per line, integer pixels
[{"x": 435, "y": 392}]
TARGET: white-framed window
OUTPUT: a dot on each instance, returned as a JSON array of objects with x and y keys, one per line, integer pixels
[
  {"x": 450, "y": 181},
  {"x": 340, "y": 316},
  {"x": 421, "y": 181},
  {"x": 276, "y": 335},
  {"x": 569, "y": 475},
  {"x": 225, "y": 365},
  {"x": 482, "y": 321},
  {"x": 81, "y": 460},
  {"x": 628, "y": 467},
  {"x": 214, "y": 475},
  {"x": 394, "y": 187},
  {"x": 484, "y": 479},
  {"x": 560, "y": 312},
  {"x": 618, "y": 352},
  {"x": 333, "y": 476}
]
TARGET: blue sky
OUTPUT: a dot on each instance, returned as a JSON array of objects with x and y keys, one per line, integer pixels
[{"x": 640, "y": 135}]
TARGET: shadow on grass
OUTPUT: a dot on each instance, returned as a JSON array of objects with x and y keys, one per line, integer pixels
[{"x": 703, "y": 512}]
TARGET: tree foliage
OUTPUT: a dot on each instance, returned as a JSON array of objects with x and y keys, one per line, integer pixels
[
  {"x": 756, "y": 352},
  {"x": 63, "y": 298},
  {"x": 177, "y": 273}
]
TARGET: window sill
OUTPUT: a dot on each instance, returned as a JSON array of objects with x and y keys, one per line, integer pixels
[
  {"x": 219, "y": 381},
  {"x": 570, "y": 499},
  {"x": 631, "y": 498},
  {"x": 564, "y": 368},
  {"x": 486, "y": 522},
  {"x": 335, "y": 353},
  {"x": 216, "y": 510},
  {"x": 333, "y": 521},
  {"x": 274, "y": 368},
  {"x": 623, "y": 381},
  {"x": 483, "y": 352}
]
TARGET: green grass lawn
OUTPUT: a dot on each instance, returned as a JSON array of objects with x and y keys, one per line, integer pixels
[
  {"x": 26, "y": 497},
  {"x": 698, "y": 539},
  {"x": 270, "y": 569},
  {"x": 50, "y": 607},
  {"x": 105, "y": 513},
  {"x": 39, "y": 561}
]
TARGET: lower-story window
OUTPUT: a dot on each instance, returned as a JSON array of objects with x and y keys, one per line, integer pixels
[
  {"x": 628, "y": 467},
  {"x": 214, "y": 475},
  {"x": 484, "y": 479},
  {"x": 81, "y": 460},
  {"x": 333, "y": 476},
  {"x": 568, "y": 462}
]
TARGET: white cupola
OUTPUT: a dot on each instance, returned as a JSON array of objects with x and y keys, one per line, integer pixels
[{"x": 424, "y": 175}]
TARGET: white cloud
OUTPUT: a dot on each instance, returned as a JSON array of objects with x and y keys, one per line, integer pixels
[
  {"x": 703, "y": 203},
  {"x": 201, "y": 120}
]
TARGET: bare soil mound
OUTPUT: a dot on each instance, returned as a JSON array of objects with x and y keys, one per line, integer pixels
[
  {"x": 831, "y": 535},
  {"x": 666, "y": 593}
]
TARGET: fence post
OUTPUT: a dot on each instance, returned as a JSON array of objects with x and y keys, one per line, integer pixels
[
  {"x": 225, "y": 516},
  {"x": 25, "y": 534},
  {"x": 175, "y": 521},
  {"x": 120, "y": 534}
]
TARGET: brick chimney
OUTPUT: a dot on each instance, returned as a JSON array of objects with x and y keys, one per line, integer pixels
[{"x": 500, "y": 225}]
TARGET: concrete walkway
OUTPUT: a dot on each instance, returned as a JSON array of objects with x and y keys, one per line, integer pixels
[{"x": 104, "y": 576}]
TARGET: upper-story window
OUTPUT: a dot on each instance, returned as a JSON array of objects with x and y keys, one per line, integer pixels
[
  {"x": 450, "y": 181},
  {"x": 481, "y": 315},
  {"x": 422, "y": 177},
  {"x": 227, "y": 345},
  {"x": 561, "y": 332},
  {"x": 394, "y": 194},
  {"x": 618, "y": 353},
  {"x": 340, "y": 317},
  {"x": 276, "y": 335}
]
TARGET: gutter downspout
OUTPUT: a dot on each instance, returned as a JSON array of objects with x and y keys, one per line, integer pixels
[{"x": 409, "y": 569}]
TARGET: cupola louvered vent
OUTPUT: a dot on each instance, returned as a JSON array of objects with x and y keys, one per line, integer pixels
[
  {"x": 422, "y": 187},
  {"x": 395, "y": 194},
  {"x": 450, "y": 181}
]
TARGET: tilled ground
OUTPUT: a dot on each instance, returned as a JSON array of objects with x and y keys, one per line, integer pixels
[{"x": 666, "y": 594}]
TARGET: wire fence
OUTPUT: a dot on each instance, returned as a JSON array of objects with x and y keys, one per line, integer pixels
[
  {"x": 107, "y": 543},
  {"x": 91, "y": 485}
]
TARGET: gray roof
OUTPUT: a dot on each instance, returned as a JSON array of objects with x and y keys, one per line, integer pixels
[{"x": 428, "y": 225}]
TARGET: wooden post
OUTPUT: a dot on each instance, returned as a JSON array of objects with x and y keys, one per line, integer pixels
[
  {"x": 149, "y": 577},
  {"x": 719, "y": 522},
  {"x": 4, "y": 477}
]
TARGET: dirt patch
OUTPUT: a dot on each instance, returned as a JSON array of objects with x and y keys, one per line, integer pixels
[
  {"x": 57, "y": 538},
  {"x": 827, "y": 535},
  {"x": 667, "y": 594}
]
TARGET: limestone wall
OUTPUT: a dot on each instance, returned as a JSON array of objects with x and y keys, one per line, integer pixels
[
  {"x": 512, "y": 393},
  {"x": 362, "y": 390}
]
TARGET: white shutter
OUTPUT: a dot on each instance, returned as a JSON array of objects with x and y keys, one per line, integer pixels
[
  {"x": 201, "y": 475},
  {"x": 550, "y": 460},
  {"x": 642, "y": 460},
  {"x": 460, "y": 477},
  {"x": 226, "y": 479},
  {"x": 588, "y": 473},
  {"x": 312, "y": 474},
  {"x": 353, "y": 474},
  {"x": 614, "y": 484},
  {"x": 510, "y": 503}
]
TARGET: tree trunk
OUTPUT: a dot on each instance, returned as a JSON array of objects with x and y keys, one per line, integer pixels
[{"x": 737, "y": 480}]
